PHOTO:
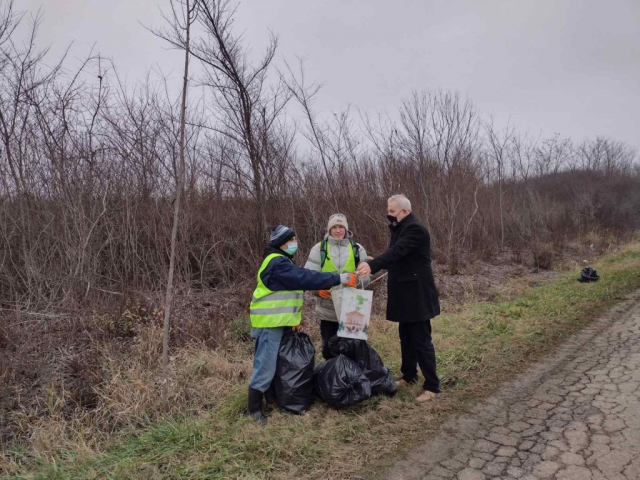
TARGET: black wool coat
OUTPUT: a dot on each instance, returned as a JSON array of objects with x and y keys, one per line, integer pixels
[{"x": 412, "y": 292}]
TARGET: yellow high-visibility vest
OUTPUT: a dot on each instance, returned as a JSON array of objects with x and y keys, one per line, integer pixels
[
  {"x": 271, "y": 309},
  {"x": 349, "y": 267}
]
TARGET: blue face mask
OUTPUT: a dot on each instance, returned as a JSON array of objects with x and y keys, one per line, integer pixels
[{"x": 291, "y": 248}]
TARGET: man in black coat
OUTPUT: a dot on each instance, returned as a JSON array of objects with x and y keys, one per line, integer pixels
[{"x": 412, "y": 294}]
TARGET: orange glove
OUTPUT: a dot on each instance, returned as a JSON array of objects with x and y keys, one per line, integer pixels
[
  {"x": 352, "y": 280},
  {"x": 324, "y": 293},
  {"x": 297, "y": 328}
]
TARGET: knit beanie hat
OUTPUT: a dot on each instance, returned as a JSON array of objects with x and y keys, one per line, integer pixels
[
  {"x": 280, "y": 235},
  {"x": 337, "y": 219}
]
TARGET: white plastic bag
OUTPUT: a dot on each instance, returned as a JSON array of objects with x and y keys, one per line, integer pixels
[{"x": 353, "y": 309}]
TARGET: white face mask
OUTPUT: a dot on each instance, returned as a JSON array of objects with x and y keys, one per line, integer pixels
[{"x": 291, "y": 248}]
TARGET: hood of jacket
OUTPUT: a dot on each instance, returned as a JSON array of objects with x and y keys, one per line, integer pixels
[{"x": 345, "y": 241}]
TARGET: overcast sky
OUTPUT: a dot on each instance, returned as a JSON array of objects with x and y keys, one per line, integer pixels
[{"x": 571, "y": 67}]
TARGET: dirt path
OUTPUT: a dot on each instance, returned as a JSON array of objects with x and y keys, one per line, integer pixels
[{"x": 576, "y": 415}]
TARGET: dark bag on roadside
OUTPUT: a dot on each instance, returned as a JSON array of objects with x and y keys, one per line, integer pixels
[
  {"x": 588, "y": 274},
  {"x": 340, "y": 382},
  {"x": 293, "y": 381},
  {"x": 368, "y": 360}
]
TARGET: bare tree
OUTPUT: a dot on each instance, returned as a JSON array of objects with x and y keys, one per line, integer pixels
[
  {"x": 498, "y": 150},
  {"x": 9, "y": 20},
  {"x": 246, "y": 106},
  {"x": 180, "y": 31},
  {"x": 305, "y": 95},
  {"x": 552, "y": 155},
  {"x": 521, "y": 155},
  {"x": 22, "y": 75}
]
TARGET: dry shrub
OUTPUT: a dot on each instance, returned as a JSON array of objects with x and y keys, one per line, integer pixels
[
  {"x": 240, "y": 329},
  {"x": 80, "y": 378},
  {"x": 205, "y": 317},
  {"x": 543, "y": 256},
  {"x": 83, "y": 374},
  {"x": 516, "y": 256},
  {"x": 4, "y": 334},
  {"x": 134, "y": 313},
  {"x": 147, "y": 349},
  {"x": 99, "y": 220}
]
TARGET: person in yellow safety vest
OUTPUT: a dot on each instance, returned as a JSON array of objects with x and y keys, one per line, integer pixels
[
  {"x": 277, "y": 305},
  {"x": 337, "y": 252}
]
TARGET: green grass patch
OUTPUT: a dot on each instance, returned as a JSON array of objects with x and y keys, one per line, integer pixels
[{"x": 478, "y": 347}]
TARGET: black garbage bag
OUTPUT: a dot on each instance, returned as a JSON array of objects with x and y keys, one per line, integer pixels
[
  {"x": 368, "y": 360},
  {"x": 384, "y": 385},
  {"x": 293, "y": 381},
  {"x": 340, "y": 382},
  {"x": 588, "y": 274}
]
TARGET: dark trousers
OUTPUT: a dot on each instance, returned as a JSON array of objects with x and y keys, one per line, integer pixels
[
  {"x": 327, "y": 330},
  {"x": 417, "y": 349}
]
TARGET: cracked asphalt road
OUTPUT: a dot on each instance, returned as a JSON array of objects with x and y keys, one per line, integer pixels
[{"x": 575, "y": 415}]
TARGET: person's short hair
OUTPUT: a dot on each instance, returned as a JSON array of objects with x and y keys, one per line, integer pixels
[{"x": 402, "y": 201}]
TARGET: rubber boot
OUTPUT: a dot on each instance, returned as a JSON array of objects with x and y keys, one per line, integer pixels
[
  {"x": 254, "y": 407},
  {"x": 270, "y": 399}
]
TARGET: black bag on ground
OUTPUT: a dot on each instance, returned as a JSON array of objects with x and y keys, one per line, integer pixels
[
  {"x": 368, "y": 360},
  {"x": 588, "y": 274},
  {"x": 340, "y": 382},
  {"x": 293, "y": 381}
]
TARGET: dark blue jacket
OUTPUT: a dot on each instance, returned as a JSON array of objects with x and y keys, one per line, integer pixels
[{"x": 282, "y": 274}]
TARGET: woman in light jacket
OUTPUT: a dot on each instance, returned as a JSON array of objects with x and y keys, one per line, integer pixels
[{"x": 337, "y": 252}]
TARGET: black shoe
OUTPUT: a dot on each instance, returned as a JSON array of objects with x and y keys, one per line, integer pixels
[{"x": 254, "y": 406}]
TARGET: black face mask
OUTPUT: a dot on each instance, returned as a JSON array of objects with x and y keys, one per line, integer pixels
[{"x": 392, "y": 220}]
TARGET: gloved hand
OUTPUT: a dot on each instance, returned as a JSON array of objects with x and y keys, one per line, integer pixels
[
  {"x": 324, "y": 294},
  {"x": 297, "y": 328},
  {"x": 349, "y": 279}
]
